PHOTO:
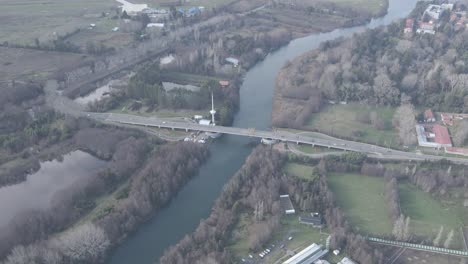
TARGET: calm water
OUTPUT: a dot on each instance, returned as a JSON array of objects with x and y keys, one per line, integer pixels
[
  {"x": 95, "y": 95},
  {"x": 195, "y": 200},
  {"x": 39, "y": 188}
]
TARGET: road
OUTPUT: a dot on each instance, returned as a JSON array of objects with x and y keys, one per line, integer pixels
[
  {"x": 67, "y": 106},
  {"x": 328, "y": 142}
]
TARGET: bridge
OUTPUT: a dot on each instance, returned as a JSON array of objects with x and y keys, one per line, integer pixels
[{"x": 283, "y": 136}]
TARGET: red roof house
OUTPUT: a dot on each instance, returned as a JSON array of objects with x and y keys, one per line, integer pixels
[{"x": 442, "y": 136}]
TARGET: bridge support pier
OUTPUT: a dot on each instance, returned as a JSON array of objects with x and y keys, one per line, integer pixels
[
  {"x": 186, "y": 130},
  {"x": 172, "y": 129}
]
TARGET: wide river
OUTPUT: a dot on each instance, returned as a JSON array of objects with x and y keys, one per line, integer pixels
[{"x": 195, "y": 200}]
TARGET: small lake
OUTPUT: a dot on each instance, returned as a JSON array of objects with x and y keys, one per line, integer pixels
[
  {"x": 95, "y": 95},
  {"x": 166, "y": 60},
  {"x": 39, "y": 188},
  {"x": 168, "y": 86}
]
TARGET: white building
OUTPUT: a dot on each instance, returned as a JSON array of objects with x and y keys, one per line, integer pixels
[
  {"x": 233, "y": 61},
  {"x": 308, "y": 255},
  {"x": 155, "y": 25},
  {"x": 286, "y": 204},
  {"x": 346, "y": 260}
]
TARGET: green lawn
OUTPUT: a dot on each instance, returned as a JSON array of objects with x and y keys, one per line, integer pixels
[
  {"x": 25, "y": 20},
  {"x": 314, "y": 150},
  {"x": 301, "y": 171},
  {"x": 428, "y": 214},
  {"x": 187, "y": 78},
  {"x": 340, "y": 121},
  {"x": 373, "y": 7},
  {"x": 362, "y": 199}
]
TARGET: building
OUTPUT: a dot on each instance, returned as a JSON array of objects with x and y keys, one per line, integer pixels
[
  {"x": 224, "y": 83},
  {"x": 204, "y": 122},
  {"x": 314, "y": 219},
  {"x": 426, "y": 28},
  {"x": 347, "y": 260},
  {"x": 321, "y": 261},
  {"x": 308, "y": 255},
  {"x": 429, "y": 116},
  {"x": 155, "y": 25},
  {"x": 433, "y": 136},
  {"x": 433, "y": 11},
  {"x": 336, "y": 252},
  {"x": 233, "y": 61},
  {"x": 286, "y": 204},
  {"x": 409, "y": 25}
]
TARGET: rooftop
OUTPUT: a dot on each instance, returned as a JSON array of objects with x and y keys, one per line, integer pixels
[
  {"x": 442, "y": 135},
  {"x": 286, "y": 204}
]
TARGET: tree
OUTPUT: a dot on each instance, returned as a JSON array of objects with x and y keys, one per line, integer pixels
[
  {"x": 385, "y": 92},
  {"x": 449, "y": 239},
  {"x": 460, "y": 135},
  {"x": 86, "y": 243},
  {"x": 405, "y": 121},
  {"x": 437, "y": 239},
  {"x": 398, "y": 228}
]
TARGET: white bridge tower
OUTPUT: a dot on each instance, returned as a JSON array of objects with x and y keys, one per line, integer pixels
[{"x": 212, "y": 111}]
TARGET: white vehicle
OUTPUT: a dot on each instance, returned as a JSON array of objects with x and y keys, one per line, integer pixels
[
  {"x": 261, "y": 255},
  {"x": 268, "y": 250},
  {"x": 290, "y": 238},
  {"x": 250, "y": 256}
]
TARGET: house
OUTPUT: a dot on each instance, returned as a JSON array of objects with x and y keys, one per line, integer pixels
[
  {"x": 286, "y": 204},
  {"x": 409, "y": 24},
  {"x": 233, "y": 61},
  {"x": 347, "y": 260},
  {"x": 224, "y": 83},
  {"x": 155, "y": 25},
  {"x": 314, "y": 219},
  {"x": 429, "y": 116},
  {"x": 426, "y": 28},
  {"x": 309, "y": 254},
  {"x": 433, "y": 136}
]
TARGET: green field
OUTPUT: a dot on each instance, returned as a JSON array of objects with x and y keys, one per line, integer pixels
[
  {"x": 362, "y": 199},
  {"x": 301, "y": 171},
  {"x": 24, "y": 20},
  {"x": 373, "y": 7},
  {"x": 428, "y": 214},
  {"x": 340, "y": 121}
]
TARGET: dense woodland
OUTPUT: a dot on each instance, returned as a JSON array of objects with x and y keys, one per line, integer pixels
[{"x": 382, "y": 66}]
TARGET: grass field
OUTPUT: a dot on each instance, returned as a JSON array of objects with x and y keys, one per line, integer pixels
[
  {"x": 301, "y": 171},
  {"x": 362, "y": 199},
  {"x": 373, "y": 7},
  {"x": 428, "y": 214},
  {"x": 24, "y": 20},
  {"x": 340, "y": 121}
]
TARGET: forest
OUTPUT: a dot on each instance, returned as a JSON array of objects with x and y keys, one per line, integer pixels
[{"x": 381, "y": 67}]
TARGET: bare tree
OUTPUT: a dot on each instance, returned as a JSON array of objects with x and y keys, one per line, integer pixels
[
  {"x": 460, "y": 136},
  {"x": 436, "y": 241},
  {"x": 384, "y": 90},
  {"x": 449, "y": 239},
  {"x": 84, "y": 243},
  {"x": 405, "y": 121}
]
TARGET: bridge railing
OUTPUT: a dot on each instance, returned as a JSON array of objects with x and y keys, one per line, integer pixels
[{"x": 419, "y": 247}]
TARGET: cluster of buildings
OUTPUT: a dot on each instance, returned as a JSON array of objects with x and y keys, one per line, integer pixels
[
  {"x": 136, "y": 9},
  {"x": 436, "y": 135},
  {"x": 431, "y": 16}
]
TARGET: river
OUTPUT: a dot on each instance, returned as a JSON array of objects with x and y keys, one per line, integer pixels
[
  {"x": 38, "y": 191},
  {"x": 195, "y": 200}
]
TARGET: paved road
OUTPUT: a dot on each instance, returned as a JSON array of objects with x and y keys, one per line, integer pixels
[
  {"x": 67, "y": 106},
  {"x": 330, "y": 142}
]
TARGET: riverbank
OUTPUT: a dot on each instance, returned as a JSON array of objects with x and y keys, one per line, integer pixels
[{"x": 228, "y": 154}]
